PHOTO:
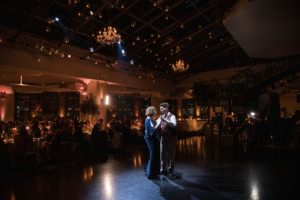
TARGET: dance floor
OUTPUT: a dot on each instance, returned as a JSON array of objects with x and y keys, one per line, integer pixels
[{"x": 201, "y": 174}]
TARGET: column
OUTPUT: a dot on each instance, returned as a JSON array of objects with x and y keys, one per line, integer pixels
[
  {"x": 136, "y": 107},
  {"x": 7, "y": 103},
  {"x": 179, "y": 108}
]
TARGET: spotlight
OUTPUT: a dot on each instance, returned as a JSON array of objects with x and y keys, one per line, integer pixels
[
  {"x": 252, "y": 114},
  {"x": 119, "y": 42},
  {"x": 56, "y": 19},
  {"x": 92, "y": 49},
  {"x": 132, "y": 62},
  {"x": 123, "y": 52}
]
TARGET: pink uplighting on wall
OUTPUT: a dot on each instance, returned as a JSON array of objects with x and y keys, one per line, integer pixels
[
  {"x": 2, "y": 110},
  {"x": 6, "y": 89}
]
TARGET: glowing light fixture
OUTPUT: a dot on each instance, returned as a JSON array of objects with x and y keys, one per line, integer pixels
[
  {"x": 108, "y": 36},
  {"x": 106, "y": 100},
  {"x": 180, "y": 66}
]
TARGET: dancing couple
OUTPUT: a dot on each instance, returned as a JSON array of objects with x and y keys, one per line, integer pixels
[{"x": 160, "y": 137}]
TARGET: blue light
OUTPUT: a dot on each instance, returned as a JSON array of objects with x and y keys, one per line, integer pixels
[
  {"x": 119, "y": 42},
  {"x": 123, "y": 52}
]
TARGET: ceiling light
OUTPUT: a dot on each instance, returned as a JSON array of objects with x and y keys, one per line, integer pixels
[
  {"x": 133, "y": 24},
  {"x": 180, "y": 66},
  {"x": 47, "y": 29},
  {"x": 167, "y": 9},
  {"x": 73, "y": 2},
  {"x": 50, "y": 21},
  {"x": 66, "y": 39},
  {"x": 108, "y": 36},
  {"x": 123, "y": 52}
]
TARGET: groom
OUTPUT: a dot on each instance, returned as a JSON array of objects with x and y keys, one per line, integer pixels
[{"x": 166, "y": 123}]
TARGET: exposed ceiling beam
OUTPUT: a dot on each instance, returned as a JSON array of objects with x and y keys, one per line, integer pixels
[
  {"x": 149, "y": 22},
  {"x": 172, "y": 27},
  {"x": 30, "y": 17},
  {"x": 181, "y": 40}
]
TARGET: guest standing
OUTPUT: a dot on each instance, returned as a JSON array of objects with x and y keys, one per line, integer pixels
[{"x": 152, "y": 140}]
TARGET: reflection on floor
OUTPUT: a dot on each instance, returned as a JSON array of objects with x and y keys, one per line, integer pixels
[{"x": 201, "y": 175}]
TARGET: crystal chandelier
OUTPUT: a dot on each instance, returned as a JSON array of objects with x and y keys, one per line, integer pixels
[
  {"x": 108, "y": 36},
  {"x": 180, "y": 66}
]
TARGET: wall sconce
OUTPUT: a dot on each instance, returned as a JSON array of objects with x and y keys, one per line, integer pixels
[{"x": 106, "y": 100}]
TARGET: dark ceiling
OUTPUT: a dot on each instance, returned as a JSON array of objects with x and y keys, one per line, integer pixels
[{"x": 154, "y": 33}]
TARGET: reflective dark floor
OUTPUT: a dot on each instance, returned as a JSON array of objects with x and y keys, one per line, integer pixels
[{"x": 201, "y": 175}]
